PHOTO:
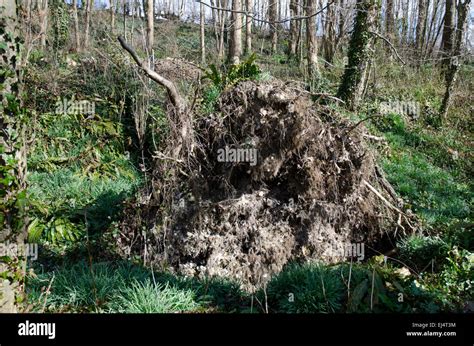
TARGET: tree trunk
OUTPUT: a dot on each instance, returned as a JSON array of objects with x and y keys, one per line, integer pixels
[
  {"x": 203, "y": 32},
  {"x": 248, "y": 26},
  {"x": 235, "y": 48},
  {"x": 447, "y": 38},
  {"x": 112, "y": 15},
  {"x": 89, "y": 6},
  {"x": 389, "y": 21},
  {"x": 355, "y": 74},
  {"x": 420, "y": 28},
  {"x": 294, "y": 27},
  {"x": 12, "y": 160},
  {"x": 312, "y": 46},
  {"x": 76, "y": 25},
  {"x": 150, "y": 25},
  {"x": 452, "y": 72},
  {"x": 329, "y": 41},
  {"x": 43, "y": 14},
  {"x": 273, "y": 14},
  {"x": 223, "y": 19}
]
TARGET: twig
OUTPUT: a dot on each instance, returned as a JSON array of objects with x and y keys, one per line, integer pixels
[
  {"x": 47, "y": 293},
  {"x": 247, "y": 14},
  {"x": 372, "y": 291},
  {"x": 390, "y": 44}
]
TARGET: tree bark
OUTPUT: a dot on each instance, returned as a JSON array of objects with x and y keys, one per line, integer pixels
[
  {"x": 248, "y": 27},
  {"x": 89, "y": 6},
  {"x": 447, "y": 38},
  {"x": 389, "y": 20},
  {"x": 294, "y": 27},
  {"x": 150, "y": 25},
  {"x": 355, "y": 74},
  {"x": 43, "y": 14},
  {"x": 454, "y": 63},
  {"x": 313, "y": 69},
  {"x": 76, "y": 25},
  {"x": 272, "y": 14},
  {"x": 235, "y": 48},
  {"x": 329, "y": 39},
  {"x": 12, "y": 160},
  {"x": 420, "y": 28},
  {"x": 202, "y": 14},
  {"x": 112, "y": 15}
]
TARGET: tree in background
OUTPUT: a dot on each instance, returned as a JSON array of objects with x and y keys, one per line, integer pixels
[
  {"x": 454, "y": 61},
  {"x": 355, "y": 75},
  {"x": 294, "y": 27},
  {"x": 248, "y": 26},
  {"x": 272, "y": 15},
  {"x": 150, "y": 14},
  {"x": 202, "y": 15},
  {"x": 313, "y": 68},
  {"x": 447, "y": 38},
  {"x": 235, "y": 48},
  {"x": 420, "y": 29},
  {"x": 89, "y": 7}
]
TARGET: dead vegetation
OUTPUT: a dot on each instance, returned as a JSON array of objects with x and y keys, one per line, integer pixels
[{"x": 314, "y": 189}]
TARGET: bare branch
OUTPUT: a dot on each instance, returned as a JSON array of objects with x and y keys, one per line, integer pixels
[
  {"x": 390, "y": 44},
  {"x": 268, "y": 21},
  {"x": 175, "y": 97}
]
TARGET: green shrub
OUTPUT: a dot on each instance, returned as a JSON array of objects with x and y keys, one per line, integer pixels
[
  {"x": 246, "y": 70},
  {"x": 314, "y": 287},
  {"x": 420, "y": 251}
]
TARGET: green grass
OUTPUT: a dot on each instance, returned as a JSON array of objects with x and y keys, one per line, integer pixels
[
  {"x": 148, "y": 297},
  {"x": 123, "y": 287},
  {"x": 431, "y": 192}
]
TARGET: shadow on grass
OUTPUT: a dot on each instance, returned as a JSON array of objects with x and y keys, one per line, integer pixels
[
  {"x": 127, "y": 288},
  {"x": 122, "y": 287}
]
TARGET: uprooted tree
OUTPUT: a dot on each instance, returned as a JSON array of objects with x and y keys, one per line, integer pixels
[{"x": 314, "y": 188}]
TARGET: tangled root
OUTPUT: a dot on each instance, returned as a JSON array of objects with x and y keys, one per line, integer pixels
[{"x": 313, "y": 189}]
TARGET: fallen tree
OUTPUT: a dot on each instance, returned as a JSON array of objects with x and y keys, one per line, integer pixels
[{"x": 307, "y": 188}]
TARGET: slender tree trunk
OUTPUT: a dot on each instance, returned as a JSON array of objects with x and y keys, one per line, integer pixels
[
  {"x": 112, "y": 15},
  {"x": 452, "y": 72},
  {"x": 355, "y": 74},
  {"x": 89, "y": 6},
  {"x": 294, "y": 27},
  {"x": 76, "y": 25},
  {"x": 273, "y": 14},
  {"x": 313, "y": 69},
  {"x": 447, "y": 38},
  {"x": 329, "y": 39},
  {"x": 420, "y": 28},
  {"x": 43, "y": 14},
  {"x": 248, "y": 27},
  {"x": 389, "y": 23},
  {"x": 235, "y": 48},
  {"x": 150, "y": 25},
  {"x": 405, "y": 25},
  {"x": 202, "y": 15},
  {"x": 223, "y": 15}
]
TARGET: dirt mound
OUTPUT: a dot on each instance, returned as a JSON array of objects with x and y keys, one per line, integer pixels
[
  {"x": 178, "y": 70},
  {"x": 274, "y": 178}
]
